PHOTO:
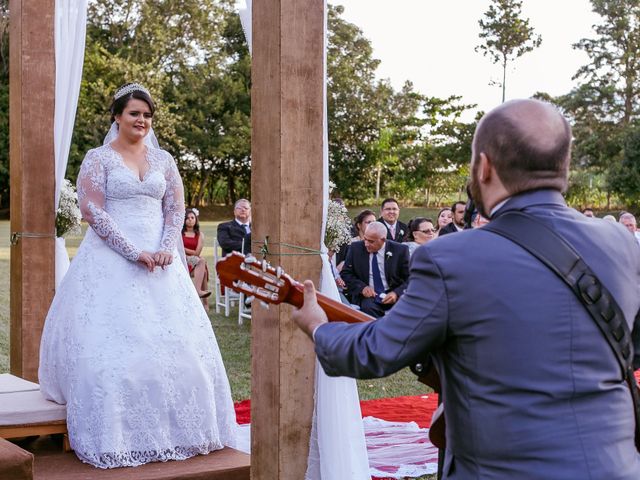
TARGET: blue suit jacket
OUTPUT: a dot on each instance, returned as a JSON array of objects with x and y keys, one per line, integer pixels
[
  {"x": 355, "y": 271},
  {"x": 531, "y": 388}
]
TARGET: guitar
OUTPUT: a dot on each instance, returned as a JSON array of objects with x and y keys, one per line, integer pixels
[{"x": 272, "y": 285}]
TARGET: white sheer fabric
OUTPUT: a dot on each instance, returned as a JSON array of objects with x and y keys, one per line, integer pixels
[
  {"x": 130, "y": 352},
  {"x": 337, "y": 447},
  {"x": 150, "y": 140},
  {"x": 70, "y": 33},
  {"x": 399, "y": 449},
  {"x": 244, "y": 10}
]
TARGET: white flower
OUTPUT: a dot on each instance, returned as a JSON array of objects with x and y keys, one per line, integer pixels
[
  {"x": 390, "y": 254},
  {"x": 68, "y": 216},
  {"x": 338, "y": 228},
  {"x": 196, "y": 211}
]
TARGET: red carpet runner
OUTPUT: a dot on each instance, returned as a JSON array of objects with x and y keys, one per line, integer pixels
[{"x": 398, "y": 409}]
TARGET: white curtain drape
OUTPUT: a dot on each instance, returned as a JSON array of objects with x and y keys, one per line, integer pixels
[
  {"x": 70, "y": 33},
  {"x": 337, "y": 447}
]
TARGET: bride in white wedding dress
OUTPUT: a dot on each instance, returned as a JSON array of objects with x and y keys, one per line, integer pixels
[{"x": 127, "y": 345}]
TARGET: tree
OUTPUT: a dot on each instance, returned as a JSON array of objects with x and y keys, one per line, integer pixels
[
  {"x": 505, "y": 35},
  {"x": 378, "y": 137},
  {"x": 605, "y": 107}
]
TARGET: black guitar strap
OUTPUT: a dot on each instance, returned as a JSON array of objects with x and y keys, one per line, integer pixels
[{"x": 561, "y": 258}]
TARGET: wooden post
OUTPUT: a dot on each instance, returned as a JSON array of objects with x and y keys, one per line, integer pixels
[
  {"x": 31, "y": 102},
  {"x": 286, "y": 185}
]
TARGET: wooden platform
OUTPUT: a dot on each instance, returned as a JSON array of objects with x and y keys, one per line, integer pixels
[{"x": 227, "y": 464}]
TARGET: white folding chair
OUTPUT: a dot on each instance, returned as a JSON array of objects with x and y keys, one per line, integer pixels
[
  {"x": 243, "y": 310},
  {"x": 229, "y": 298}
]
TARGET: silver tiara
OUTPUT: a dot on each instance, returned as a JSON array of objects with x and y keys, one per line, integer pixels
[{"x": 127, "y": 89}]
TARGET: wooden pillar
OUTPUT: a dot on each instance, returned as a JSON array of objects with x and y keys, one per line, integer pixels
[
  {"x": 286, "y": 186},
  {"x": 31, "y": 106}
]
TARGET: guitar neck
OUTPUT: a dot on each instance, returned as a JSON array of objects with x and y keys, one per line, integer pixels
[{"x": 336, "y": 311}]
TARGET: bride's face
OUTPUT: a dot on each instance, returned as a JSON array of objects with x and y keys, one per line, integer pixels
[{"x": 135, "y": 120}]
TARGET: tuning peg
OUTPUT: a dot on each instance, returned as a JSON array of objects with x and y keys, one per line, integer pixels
[
  {"x": 279, "y": 272},
  {"x": 265, "y": 265},
  {"x": 250, "y": 259},
  {"x": 264, "y": 305}
]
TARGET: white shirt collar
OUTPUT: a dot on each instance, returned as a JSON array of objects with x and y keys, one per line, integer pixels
[
  {"x": 498, "y": 206},
  {"x": 240, "y": 223}
]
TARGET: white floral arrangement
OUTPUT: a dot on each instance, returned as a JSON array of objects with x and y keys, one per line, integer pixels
[
  {"x": 68, "y": 216},
  {"x": 338, "y": 231}
]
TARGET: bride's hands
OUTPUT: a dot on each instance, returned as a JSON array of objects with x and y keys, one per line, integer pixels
[
  {"x": 147, "y": 260},
  {"x": 162, "y": 259}
]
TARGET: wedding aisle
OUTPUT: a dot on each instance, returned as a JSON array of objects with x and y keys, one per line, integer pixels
[{"x": 396, "y": 433}]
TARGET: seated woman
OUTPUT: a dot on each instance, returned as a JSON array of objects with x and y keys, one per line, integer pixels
[
  {"x": 445, "y": 217},
  {"x": 362, "y": 221},
  {"x": 420, "y": 232},
  {"x": 193, "y": 240}
]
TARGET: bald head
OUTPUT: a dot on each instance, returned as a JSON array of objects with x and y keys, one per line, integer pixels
[{"x": 528, "y": 143}]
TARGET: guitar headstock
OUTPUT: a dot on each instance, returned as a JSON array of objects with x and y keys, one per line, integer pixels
[{"x": 251, "y": 276}]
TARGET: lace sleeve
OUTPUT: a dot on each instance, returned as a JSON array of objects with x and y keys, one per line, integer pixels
[
  {"x": 91, "y": 197},
  {"x": 172, "y": 206}
]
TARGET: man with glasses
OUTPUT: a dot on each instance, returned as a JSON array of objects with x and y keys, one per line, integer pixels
[
  {"x": 235, "y": 236},
  {"x": 389, "y": 213}
]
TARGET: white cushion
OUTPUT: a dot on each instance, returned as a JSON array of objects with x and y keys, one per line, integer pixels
[
  {"x": 10, "y": 383},
  {"x": 21, "y": 403}
]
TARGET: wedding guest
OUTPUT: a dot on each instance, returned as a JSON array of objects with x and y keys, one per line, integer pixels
[
  {"x": 126, "y": 345},
  {"x": 609, "y": 218},
  {"x": 193, "y": 240},
  {"x": 628, "y": 220},
  {"x": 457, "y": 223},
  {"x": 444, "y": 218},
  {"x": 588, "y": 212},
  {"x": 421, "y": 231},
  {"x": 361, "y": 222},
  {"x": 235, "y": 235},
  {"x": 389, "y": 214},
  {"x": 376, "y": 271}
]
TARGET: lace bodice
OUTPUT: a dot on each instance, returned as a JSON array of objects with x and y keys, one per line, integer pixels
[{"x": 110, "y": 193}]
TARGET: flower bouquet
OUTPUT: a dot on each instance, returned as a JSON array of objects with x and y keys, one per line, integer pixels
[
  {"x": 68, "y": 216},
  {"x": 338, "y": 230}
]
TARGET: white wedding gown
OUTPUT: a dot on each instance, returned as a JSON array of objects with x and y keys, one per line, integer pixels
[{"x": 132, "y": 353}]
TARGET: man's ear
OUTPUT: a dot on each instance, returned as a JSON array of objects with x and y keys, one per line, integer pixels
[{"x": 484, "y": 169}]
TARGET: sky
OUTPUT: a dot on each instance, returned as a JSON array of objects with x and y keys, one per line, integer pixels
[{"x": 431, "y": 43}]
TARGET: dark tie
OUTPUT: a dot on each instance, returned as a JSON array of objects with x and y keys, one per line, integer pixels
[
  {"x": 246, "y": 229},
  {"x": 378, "y": 286}
]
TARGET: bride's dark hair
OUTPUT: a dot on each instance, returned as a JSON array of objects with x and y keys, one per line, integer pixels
[{"x": 119, "y": 104}]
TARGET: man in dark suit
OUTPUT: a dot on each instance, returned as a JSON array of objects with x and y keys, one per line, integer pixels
[
  {"x": 389, "y": 213},
  {"x": 376, "y": 271},
  {"x": 531, "y": 388},
  {"x": 457, "y": 222},
  {"x": 236, "y": 234}
]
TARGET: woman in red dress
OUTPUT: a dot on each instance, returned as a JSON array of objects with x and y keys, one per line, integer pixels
[{"x": 193, "y": 240}]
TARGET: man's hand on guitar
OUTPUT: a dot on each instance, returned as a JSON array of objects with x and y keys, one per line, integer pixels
[{"x": 311, "y": 315}]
